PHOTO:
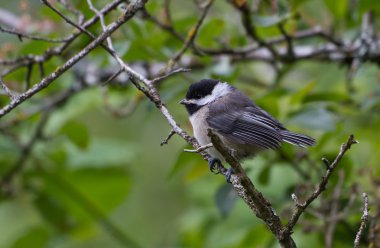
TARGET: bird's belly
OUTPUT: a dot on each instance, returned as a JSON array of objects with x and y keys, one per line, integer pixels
[{"x": 200, "y": 127}]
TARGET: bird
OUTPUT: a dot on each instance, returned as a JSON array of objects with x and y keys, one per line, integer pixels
[{"x": 243, "y": 127}]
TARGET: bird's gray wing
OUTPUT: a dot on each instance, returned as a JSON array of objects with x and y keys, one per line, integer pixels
[{"x": 245, "y": 123}]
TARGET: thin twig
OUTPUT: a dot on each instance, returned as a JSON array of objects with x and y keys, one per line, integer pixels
[
  {"x": 364, "y": 44},
  {"x": 167, "y": 26},
  {"x": 129, "y": 13},
  {"x": 332, "y": 219},
  {"x": 102, "y": 22},
  {"x": 160, "y": 78},
  {"x": 300, "y": 207},
  {"x": 49, "y": 103},
  {"x": 25, "y": 60},
  {"x": 150, "y": 92},
  {"x": 199, "y": 149},
  {"x": 81, "y": 29},
  {"x": 28, "y": 76},
  {"x": 113, "y": 76},
  {"x": 25, "y": 153},
  {"x": 364, "y": 221},
  {"x": 31, "y": 37},
  {"x": 123, "y": 111},
  {"x": 41, "y": 70},
  {"x": 250, "y": 29},
  {"x": 288, "y": 39},
  {"x": 11, "y": 95},
  {"x": 170, "y": 135},
  {"x": 73, "y": 10},
  {"x": 192, "y": 34}
]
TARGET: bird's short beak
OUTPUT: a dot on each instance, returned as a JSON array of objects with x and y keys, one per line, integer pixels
[{"x": 184, "y": 101}]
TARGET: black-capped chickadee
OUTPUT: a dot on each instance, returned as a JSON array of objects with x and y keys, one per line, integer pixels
[{"x": 242, "y": 126}]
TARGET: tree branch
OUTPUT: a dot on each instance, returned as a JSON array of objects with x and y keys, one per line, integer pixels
[
  {"x": 252, "y": 197},
  {"x": 129, "y": 12},
  {"x": 364, "y": 221},
  {"x": 300, "y": 207}
]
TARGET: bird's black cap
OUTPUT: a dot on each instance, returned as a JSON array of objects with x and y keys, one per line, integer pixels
[{"x": 201, "y": 89}]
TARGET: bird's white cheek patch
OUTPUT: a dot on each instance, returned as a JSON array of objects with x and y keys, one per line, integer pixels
[
  {"x": 205, "y": 100},
  {"x": 220, "y": 90}
]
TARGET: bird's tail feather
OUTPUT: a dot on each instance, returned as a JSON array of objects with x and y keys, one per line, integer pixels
[{"x": 297, "y": 138}]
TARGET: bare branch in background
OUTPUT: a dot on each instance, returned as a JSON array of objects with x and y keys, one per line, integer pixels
[
  {"x": 73, "y": 10},
  {"x": 300, "y": 207},
  {"x": 20, "y": 62},
  {"x": 170, "y": 135},
  {"x": 21, "y": 35},
  {"x": 25, "y": 153},
  {"x": 130, "y": 11},
  {"x": 250, "y": 29},
  {"x": 170, "y": 73},
  {"x": 364, "y": 221},
  {"x": 191, "y": 35},
  {"x": 7, "y": 91},
  {"x": 332, "y": 219}
]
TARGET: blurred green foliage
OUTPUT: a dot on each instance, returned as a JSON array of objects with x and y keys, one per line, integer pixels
[{"x": 97, "y": 181}]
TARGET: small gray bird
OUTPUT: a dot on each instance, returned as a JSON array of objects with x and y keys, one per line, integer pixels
[{"x": 243, "y": 127}]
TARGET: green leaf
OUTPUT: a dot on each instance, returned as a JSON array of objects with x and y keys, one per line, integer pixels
[
  {"x": 209, "y": 31},
  {"x": 371, "y": 103},
  {"x": 368, "y": 5},
  {"x": 101, "y": 153},
  {"x": 225, "y": 199},
  {"x": 105, "y": 187},
  {"x": 315, "y": 117},
  {"x": 53, "y": 211},
  {"x": 337, "y": 8},
  {"x": 36, "y": 237},
  {"x": 296, "y": 3},
  {"x": 75, "y": 108},
  {"x": 264, "y": 175},
  {"x": 333, "y": 97},
  {"x": 58, "y": 156},
  {"x": 77, "y": 134},
  {"x": 257, "y": 237},
  {"x": 186, "y": 159},
  {"x": 302, "y": 93},
  {"x": 17, "y": 217},
  {"x": 73, "y": 199},
  {"x": 270, "y": 101},
  {"x": 268, "y": 21}
]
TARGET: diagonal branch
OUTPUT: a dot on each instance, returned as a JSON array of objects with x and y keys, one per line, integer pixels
[
  {"x": 252, "y": 197},
  {"x": 129, "y": 13},
  {"x": 25, "y": 60},
  {"x": 300, "y": 207},
  {"x": 21, "y": 35}
]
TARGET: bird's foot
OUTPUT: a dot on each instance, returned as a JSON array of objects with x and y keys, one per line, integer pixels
[
  {"x": 229, "y": 172},
  {"x": 215, "y": 165}
]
